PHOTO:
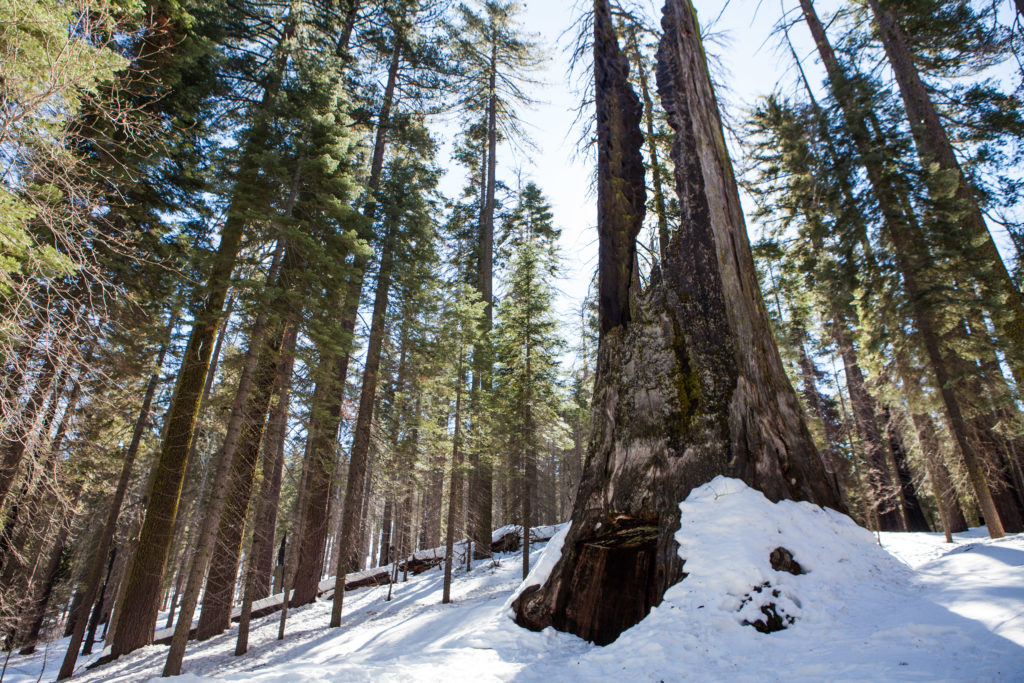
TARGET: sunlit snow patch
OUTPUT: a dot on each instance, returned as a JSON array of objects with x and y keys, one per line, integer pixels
[{"x": 542, "y": 564}]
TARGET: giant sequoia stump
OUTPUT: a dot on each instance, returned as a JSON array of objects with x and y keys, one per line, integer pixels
[{"x": 689, "y": 382}]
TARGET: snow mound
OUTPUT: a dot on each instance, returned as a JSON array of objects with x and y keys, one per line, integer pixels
[
  {"x": 727, "y": 535},
  {"x": 853, "y": 610},
  {"x": 542, "y": 564}
]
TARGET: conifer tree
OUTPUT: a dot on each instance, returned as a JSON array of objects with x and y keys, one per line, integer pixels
[
  {"x": 904, "y": 231},
  {"x": 406, "y": 213},
  {"x": 495, "y": 59},
  {"x": 527, "y": 347}
]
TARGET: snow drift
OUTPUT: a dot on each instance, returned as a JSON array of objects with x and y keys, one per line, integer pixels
[
  {"x": 856, "y": 612},
  {"x": 849, "y": 610}
]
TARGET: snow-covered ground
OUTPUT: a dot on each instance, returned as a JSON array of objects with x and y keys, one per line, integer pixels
[{"x": 913, "y": 609}]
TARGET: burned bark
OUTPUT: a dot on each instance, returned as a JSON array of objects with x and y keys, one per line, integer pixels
[{"x": 693, "y": 387}]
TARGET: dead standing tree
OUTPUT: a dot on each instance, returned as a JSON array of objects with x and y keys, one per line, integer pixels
[{"x": 689, "y": 382}]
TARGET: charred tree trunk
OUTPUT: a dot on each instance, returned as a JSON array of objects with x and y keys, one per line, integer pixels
[
  {"x": 692, "y": 388},
  {"x": 265, "y": 521},
  {"x": 639, "y": 63}
]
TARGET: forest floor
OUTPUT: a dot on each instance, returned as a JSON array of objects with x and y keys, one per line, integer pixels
[{"x": 914, "y": 608}]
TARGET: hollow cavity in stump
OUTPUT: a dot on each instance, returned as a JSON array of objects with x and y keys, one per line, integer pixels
[{"x": 612, "y": 587}]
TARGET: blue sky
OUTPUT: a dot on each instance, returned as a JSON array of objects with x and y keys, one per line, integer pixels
[{"x": 748, "y": 63}]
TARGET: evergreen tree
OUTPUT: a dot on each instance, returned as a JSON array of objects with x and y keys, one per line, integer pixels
[
  {"x": 495, "y": 59},
  {"x": 527, "y": 347}
]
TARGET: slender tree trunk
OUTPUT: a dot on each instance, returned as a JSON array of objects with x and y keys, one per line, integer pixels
[
  {"x": 36, "y": 614},
  {"x": 481, "y": 477},
  {"x": 384, "y": 555},
  {"x": 934, "y": 147},
  {"x": 902, "y": 229},
  {"x": 289, "y": 571},
  {"x": 220, "y": 582},
  {"x": 529, "y": 467},
  {"x": 97, "y": 610},
  {"x": 145, "y": 577},
  {"x": 885, "y": 502},
  {"x": 362, "y": 550},
  {"x": 215, "y": 616},
  {"x": 334, "y": 511},
  {"x": 357, "y": 472},
  {"x": 17, "y": 535},
  {"x": 97, "y": 560},
  {"x": 238, "y": 463},
  {"x": 432, "y": 501},
  {"x": 265, "y": 521},
  {"x": 696, "y": 373},
  {"x": 25, "y": 430},
  {"x": 913, "y": 515},
  {"x": 836, "y": 465},
  {"x": 261, "y": 550},
  {"x": 329, "y": 392},
  {"x": 454, "y": 492},
  {"x": 938, "y": 473}
]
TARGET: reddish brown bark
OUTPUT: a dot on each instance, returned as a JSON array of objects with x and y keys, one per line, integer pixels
[{"x": 265, "y": 520}]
